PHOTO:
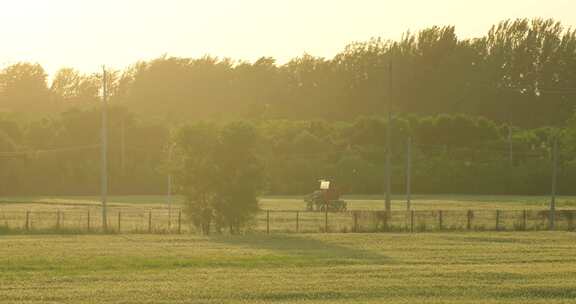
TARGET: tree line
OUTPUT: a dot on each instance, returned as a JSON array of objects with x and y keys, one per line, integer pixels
[
  {"x": 522, "y": 72},
  {"x": 450, "y": 154},
  {"x": 482, "y": 114}
]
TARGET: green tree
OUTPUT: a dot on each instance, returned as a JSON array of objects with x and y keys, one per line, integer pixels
[
  {"x": 239, "y": 177},
  {"x": 220, "y": 175},
  {"x": 23, "y": 87},
  {"x": 72, "y": 88},
  {"x": 197, "y": 175}
]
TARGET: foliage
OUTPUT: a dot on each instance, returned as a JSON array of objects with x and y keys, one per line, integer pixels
[
  {"x": 317, "y": 117},
  {"x": 521, "y": 72},
  {"x": 451, "y": 154},
  {"x": 220, "y": 175}
]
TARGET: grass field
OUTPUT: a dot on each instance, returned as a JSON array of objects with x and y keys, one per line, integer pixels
[
  {"x": 520, "y": 267},
  {"x": 149, "y": 213},
  {"x": 355, "y": 202}
]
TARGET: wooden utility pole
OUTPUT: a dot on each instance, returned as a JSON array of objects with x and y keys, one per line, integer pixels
[
  {"x": 510, "y": 147},
  {"x": 104, "y": 151},
  {"x": 554, "y": 182},
  {"x": 169, "y": 186},
  {"x": 409, "y": 174},
  {"x": 123, "y": 147},
  {"x": 388, "y": 177}
]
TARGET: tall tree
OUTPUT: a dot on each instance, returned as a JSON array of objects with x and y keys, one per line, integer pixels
[
  {"x": 23, "y": 87},
  {"x": 72, "y": 88},
  {"x": 221, "y": 175}
]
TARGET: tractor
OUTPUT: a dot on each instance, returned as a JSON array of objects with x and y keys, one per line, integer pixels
[{"x": 326, "y": 197}]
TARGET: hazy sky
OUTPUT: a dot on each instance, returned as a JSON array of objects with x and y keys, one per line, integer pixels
[{"x": 88, "y": 33}]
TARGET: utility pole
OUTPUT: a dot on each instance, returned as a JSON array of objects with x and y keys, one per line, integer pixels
[
  {"x": 510, "y": 155},
  {"x": 123, "y": 148},
  {"x": 409, "y": 174},
  {"x": 510, "y": 146},
  {"x": 104, "y": 151},
  {"x": 169, "y": 189},
  {"x": 388, "y": 173},
  {"x": 554, "y": 181}
]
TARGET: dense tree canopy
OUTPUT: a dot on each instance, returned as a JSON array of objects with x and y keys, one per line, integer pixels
[
  {"x": 23, "y": 87},
  {"x": 522, "y": 71},
  {"x": 451, "y": 154},
  {"x": 481, "y": 112}
]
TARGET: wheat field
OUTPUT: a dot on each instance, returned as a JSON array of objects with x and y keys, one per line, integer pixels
[{"x": 505, "y": 267}]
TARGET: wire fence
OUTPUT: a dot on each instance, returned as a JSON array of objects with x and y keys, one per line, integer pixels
[
  {"x": 415, "y": 221},
  {"x": 85, "y": 220},
  {"x": 140, "y": 220}
]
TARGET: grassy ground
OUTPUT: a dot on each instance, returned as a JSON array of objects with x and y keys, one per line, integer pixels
[
  {"x": 529, "y": 267},
  {"x": 355, "y": 202},
  {"x": 144, "y": 213}
]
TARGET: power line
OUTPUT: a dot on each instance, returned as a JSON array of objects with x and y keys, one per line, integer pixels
[
  {"x": 454, "y": 149},
  {"x": 51, "y": 150},
  {"x": 523, "y": 90}
]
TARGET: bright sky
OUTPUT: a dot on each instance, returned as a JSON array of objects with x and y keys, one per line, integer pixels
[{"x": 85, "y": 34}]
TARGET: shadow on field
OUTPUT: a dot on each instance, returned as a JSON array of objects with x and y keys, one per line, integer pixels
[{"x": 303, "y": 246}]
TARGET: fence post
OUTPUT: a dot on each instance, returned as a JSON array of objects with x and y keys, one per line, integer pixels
[
  {"x": 88, "y": 221},
  {"x": 267, "y": 221},
  {"x": 355, "y": 214},
  {"x": 469, "y": 221},
  {"x": 524, "y": 220},
  {"x": 27, "y": 220},
  {"x": 385, "y": 221},
  {"x": 552, "y": 219},
  {"x": 412, "y": 214},
  {"x": 58, "y": 220},
  {"x": 179, "y": 221},
  {"x": 570, "y": 215},
  {"x": 497, "y": 220},
  {"x": 440, "y": 220},
  {"x": 150, "y": 221},
  {"x": 409, "y": 174},
  {"x": 119, "y": 220},
  {"x": 297, "y": 221},
  {"x": 326, "y": 220}
]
